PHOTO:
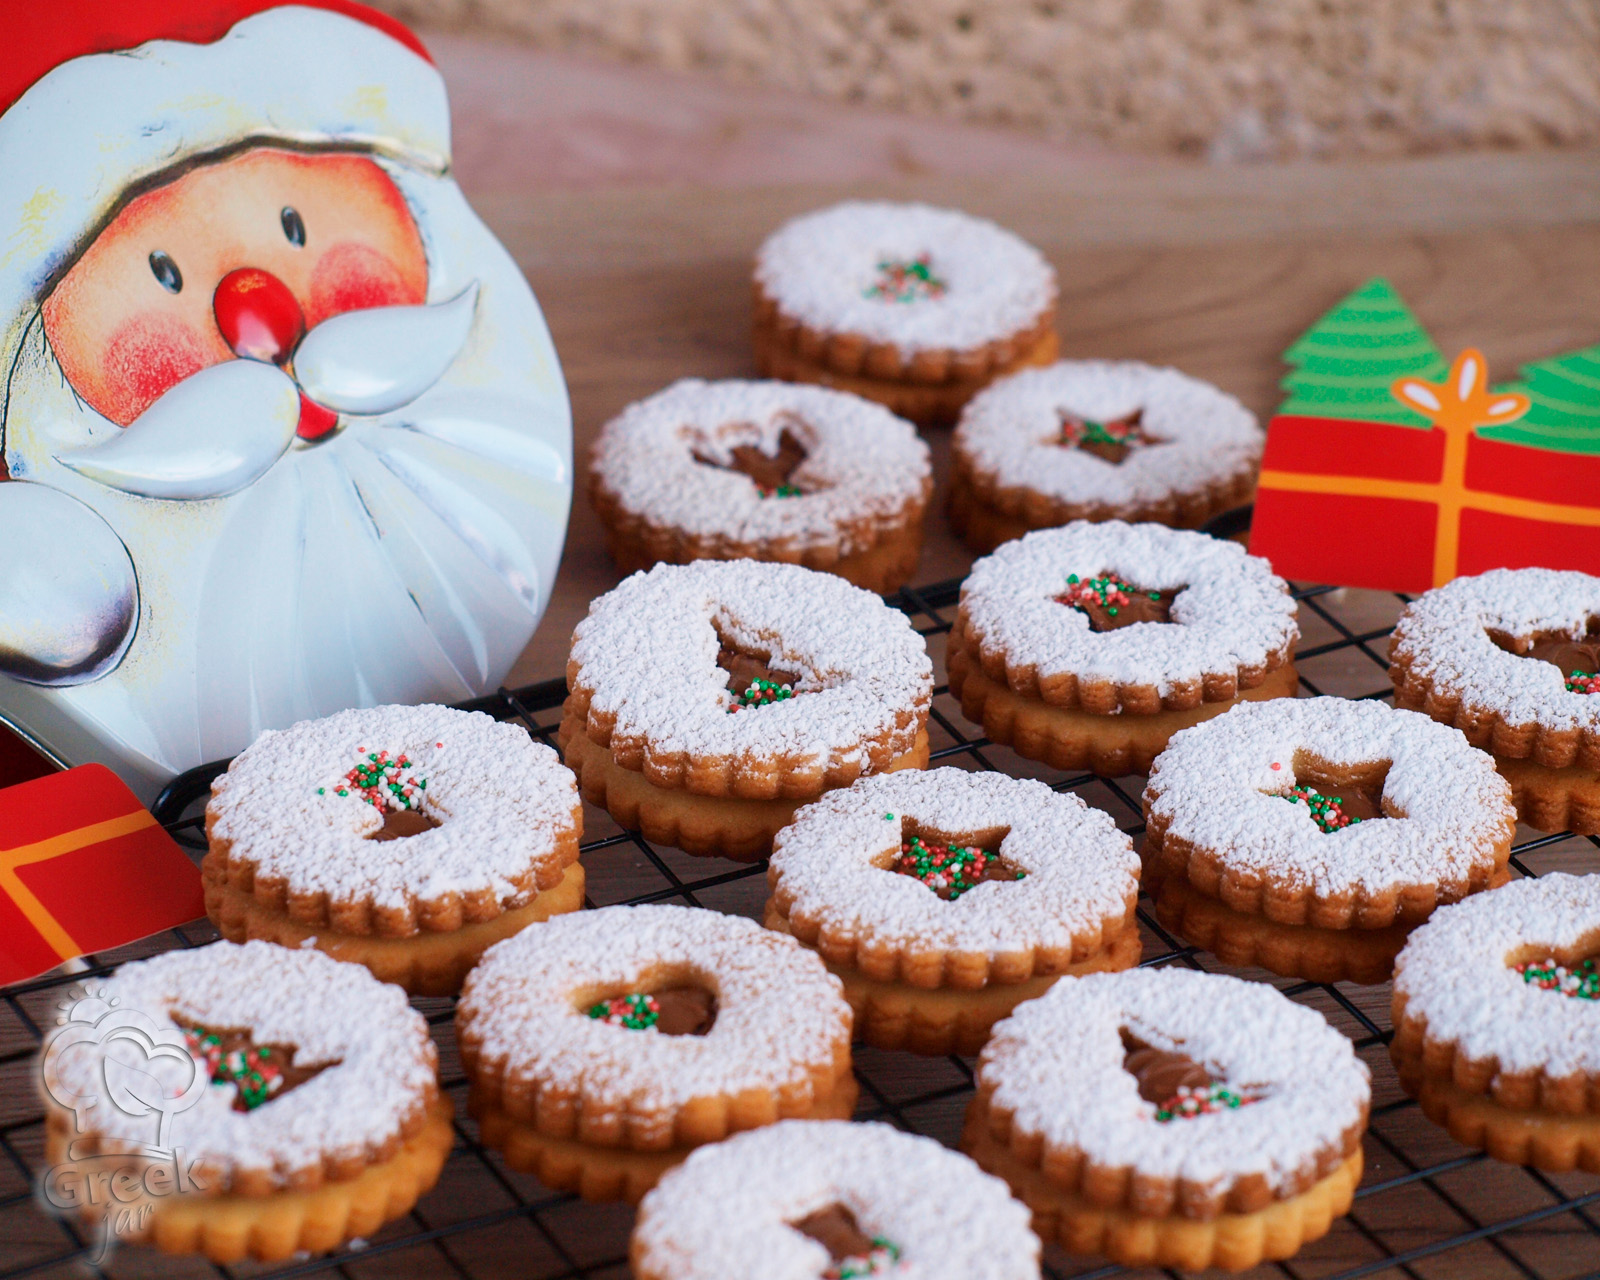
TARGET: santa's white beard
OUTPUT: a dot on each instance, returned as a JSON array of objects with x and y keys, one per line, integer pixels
[{"x": 405, "y": 559}]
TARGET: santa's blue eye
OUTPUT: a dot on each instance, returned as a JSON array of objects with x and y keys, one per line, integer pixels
[
  {"x": 294, "y": 226},
  {"x": 166, "y": 271}
]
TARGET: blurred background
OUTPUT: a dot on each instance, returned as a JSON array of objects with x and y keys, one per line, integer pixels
[{"x": 660, "y": 90}]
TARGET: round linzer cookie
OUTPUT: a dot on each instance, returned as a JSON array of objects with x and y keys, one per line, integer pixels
[
  {"x": 914, "y": 307},
  {"x": 1511, "y": 658},
  {"x": 709, "y": 701},
  {"x": 306, "y": 1109},
  {"x": 604, "y": 1046},
  {"x": 1311, "y": 835},
  {"x": 1089, "y": 646},
  {"x": 944, "y": 899},
  {"x": 1171, "y": 1117},
  {"x": 1097, "y": 440},
  {"x": 1497, "y": 1022},
  {"x": 406, "y": 839},
  {"x": 832, "y": 1200},
  {"x": 763, "y": 471}
]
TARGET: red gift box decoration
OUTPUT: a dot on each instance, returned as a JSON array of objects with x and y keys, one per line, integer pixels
[
  {"x": 84, "y": 867},
  {"x": 1385, "y": 470}
]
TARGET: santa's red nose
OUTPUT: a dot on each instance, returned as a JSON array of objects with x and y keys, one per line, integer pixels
[
  {"x": 260, "y": 319},
  {"x": 258, "y": 316}
]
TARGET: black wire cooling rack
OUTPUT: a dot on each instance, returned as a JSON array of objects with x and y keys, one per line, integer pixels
[{"x": 1426, "y": 1209}]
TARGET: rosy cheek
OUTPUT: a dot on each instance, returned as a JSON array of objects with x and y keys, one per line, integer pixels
[
  {"x": 355, "y": 277},
  {"x": 146, "y": 356}
]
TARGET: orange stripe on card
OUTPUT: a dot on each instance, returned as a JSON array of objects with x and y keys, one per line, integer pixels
[
  {"x": 1362, "y": 486},
  {"x": 42, "y": 851}
]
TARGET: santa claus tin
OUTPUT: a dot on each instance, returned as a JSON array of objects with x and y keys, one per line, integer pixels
[{"x": 283, "y": 428}]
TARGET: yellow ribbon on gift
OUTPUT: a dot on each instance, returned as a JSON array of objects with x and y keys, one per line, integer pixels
[
  {"x": 1458, "y": 406},
  {"x": 34, "y": 911}
]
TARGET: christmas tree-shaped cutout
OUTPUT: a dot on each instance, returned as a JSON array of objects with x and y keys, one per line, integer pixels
[
  {"x": 1565, "y": 410},
  {"x": 1345, "y": 364}
]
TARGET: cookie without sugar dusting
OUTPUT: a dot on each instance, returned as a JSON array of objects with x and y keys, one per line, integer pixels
[{"x": 831, "y": 1199}]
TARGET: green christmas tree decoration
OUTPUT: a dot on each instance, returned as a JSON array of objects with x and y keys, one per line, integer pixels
[
  {"x": 1565, "y": 415},
  {"x": 1345, "y": 364}
]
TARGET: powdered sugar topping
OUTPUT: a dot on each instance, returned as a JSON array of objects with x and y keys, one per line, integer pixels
[
  {"x": 863, "y": 465},
  {"x": 648, "y": 652},
  {"x": 724, "y": 1211},
  {"x": 780, "y": 1014},
  {"x": 1216, "y": 786},
  {"x": 821, "y": 269},
  {"x": 332, "y": 1012},
  {"x": 1444, "y": 637},
  {"x": 1057, "y": 1064},
  {"x": 1200, "y": 436},
  {"x": 1232, "y": 613},
  {"x": 1456, "y": 974},
  {"x": 832, "y": 864},
  {"x": 503, "y": 803}
]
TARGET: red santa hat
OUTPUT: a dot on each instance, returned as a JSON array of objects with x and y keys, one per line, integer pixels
[{"x": 98, "y": 98}]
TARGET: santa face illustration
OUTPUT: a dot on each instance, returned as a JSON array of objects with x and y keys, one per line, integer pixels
[{"x": 283, "y": 426}]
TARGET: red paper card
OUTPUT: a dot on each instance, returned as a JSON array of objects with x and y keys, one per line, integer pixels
[
  {"x": 1386, "y": 469},
  {"x": 84, "y": 867}
]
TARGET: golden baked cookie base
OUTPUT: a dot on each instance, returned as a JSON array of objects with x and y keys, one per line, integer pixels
[
  {"x": 1555, "y": 749},
  {"x": 985, "y": 520},
  {"x": 611, "y": 1173},
  {"x": 1416, "y": 1054},
  {"x": 1292, "y": 950},
  {"x": 1554, "y": 799},
  {"x": 1071, "y": 738},
  {"x": 1555, "y": 1142},
  {"x": 925, "y": 401},
  {"x": 943, "y": 1020},
  {"x": 361, "y": 915},
  {"x": 1231, "y": 1241},
  {"x": 425, "y": 964},
  {"x": 709, "y": 826},
  {"x": 231, "y": 1227},
  {"x": 884, "y": 566}
]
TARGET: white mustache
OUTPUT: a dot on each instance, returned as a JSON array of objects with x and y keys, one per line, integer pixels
[
  {"x": 380, "y": 360},
  {"x": 220, "y": 430},
  {"x": 212, "y": 434}
]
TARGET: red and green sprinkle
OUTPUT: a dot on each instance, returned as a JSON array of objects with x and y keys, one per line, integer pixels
[
  {"x": 884, "y": 1257},
  {"x": 1580, "y": 983},
  {"x": 949, "y": 870},
  {"x": 382, "y": 780},
  {"x": 636, "y": 1012},
  {"x": 906, "y": 280},
  {"x": 760, "y": 694},
  {"x": 782, "y": 491},
  {"x": 1326, "y": 811},
  {"x": 1583, "y": 682},
  {"x": 253, "y": 1072},
  {"x": 1188, "y": 1103},
  {"x": 1108, "y": 593},
  {"x": 1080, "y": 431}
]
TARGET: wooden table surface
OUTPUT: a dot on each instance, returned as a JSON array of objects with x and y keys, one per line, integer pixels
[{"x": 1213, "y": 270}]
